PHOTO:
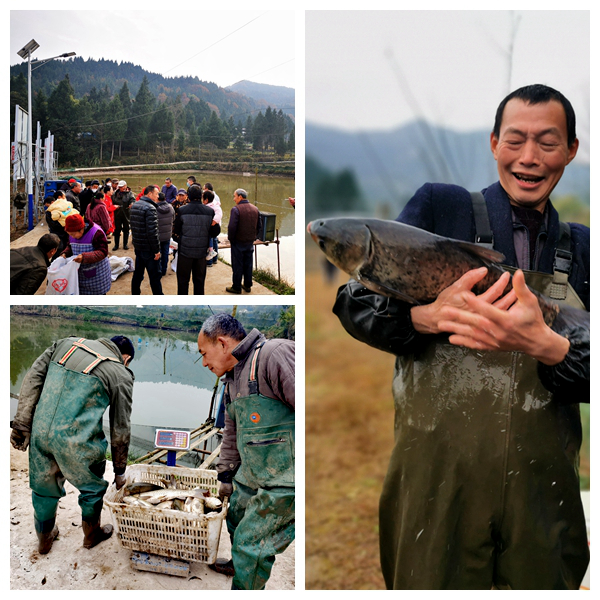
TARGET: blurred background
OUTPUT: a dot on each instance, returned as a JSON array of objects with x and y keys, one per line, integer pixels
[{"x": 395, "y": 99}]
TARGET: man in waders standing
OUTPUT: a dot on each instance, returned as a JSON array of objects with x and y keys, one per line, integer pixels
[
  {"x": 59, "y": 417},
  {"x": 482, "y": 489},
  {"x": 256, "y": 464}
]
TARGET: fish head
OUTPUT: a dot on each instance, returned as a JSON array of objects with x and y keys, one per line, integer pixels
[{"x": 346, "y": 242}]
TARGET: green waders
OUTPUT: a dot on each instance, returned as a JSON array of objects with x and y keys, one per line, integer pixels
[
  {"x": 482, "y": 488},
  {"x": 67, "y": 441},
  {"x": 262, "y": 510}
]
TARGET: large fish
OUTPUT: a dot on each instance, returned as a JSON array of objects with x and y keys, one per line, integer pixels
[{"x": 414, "y": 265}]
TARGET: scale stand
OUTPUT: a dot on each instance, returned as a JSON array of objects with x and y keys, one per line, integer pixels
[{"x": 173, "y": 441}]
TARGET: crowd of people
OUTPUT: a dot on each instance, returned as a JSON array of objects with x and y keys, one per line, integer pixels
[{"x": 85, "y": 220}]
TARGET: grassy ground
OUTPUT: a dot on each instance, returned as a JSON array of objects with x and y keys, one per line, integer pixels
[{"x": 349, "y": 434}]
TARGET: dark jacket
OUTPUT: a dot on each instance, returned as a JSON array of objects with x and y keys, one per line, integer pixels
[
  {"x": 170, "y": 192},
  {"x": 166, "y": 216},
  {"x": 193, "y": 229},
  {"x": 144, "y": 226},
  {"x": 28, "y": 269},
  {"x": 447, "y": 210},
  {"x": 244, "y": 223},
  {"x": 73, "y": 198}
]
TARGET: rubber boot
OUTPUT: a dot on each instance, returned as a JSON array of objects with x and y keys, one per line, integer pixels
[
  {"x": 93, "y": 534},
  {"x": 117, "y": 238},
  {"x": 45, "y": 540},
  {"x": 224, "y": 567}
]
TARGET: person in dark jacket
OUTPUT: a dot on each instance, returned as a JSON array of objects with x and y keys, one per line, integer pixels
[
  {"x": 29, "y": 265},
  {"x": 192, "y": 231},
  {"x": 166, "y": 216},
  {"x": 169, "y": 190},
  {"x": 122, "y": 199},
  {"x": 87, "y": 195},
  {"x": 72, "y": 194},
  {"x": 483, "y": 479},
  {"x": 144, "y": 230},
  {"x": 243, "y": 228},
  {"x": 55, "y": 226}
]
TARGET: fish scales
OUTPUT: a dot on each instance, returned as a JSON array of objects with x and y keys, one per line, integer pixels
[{"x": 414, "y": 265}]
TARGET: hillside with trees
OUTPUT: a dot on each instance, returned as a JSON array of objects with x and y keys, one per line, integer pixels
[{"x": 104, "y": 113}]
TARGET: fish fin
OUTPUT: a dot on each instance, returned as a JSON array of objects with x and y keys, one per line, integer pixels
[{"x": 481, "y": 251}]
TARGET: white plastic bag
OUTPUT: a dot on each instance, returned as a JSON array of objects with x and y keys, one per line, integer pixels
[
  {"x": 174, "y": 263},
  {"x": 63, "y": 277}
]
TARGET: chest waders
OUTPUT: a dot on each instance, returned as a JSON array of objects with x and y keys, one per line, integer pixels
[
  {"x": 482, "y": 488},
  {"x": 67, "y": 440},
  {"x": 262, "y": 509}
]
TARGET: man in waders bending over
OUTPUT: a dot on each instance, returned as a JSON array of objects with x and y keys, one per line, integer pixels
[
  {"x": 482, "y": 488},
  {"x": 256, "y": 464},
  {"x": 59, "y": 417}
]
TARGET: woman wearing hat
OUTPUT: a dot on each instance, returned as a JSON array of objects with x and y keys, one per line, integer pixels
[{"x": 88, "y": 243}]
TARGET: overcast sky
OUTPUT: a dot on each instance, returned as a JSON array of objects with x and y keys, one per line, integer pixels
[
  {"x": 222, "y": 47},
  {"x": 379, "y": 69}
]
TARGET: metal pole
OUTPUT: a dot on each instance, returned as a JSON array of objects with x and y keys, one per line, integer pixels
[{"x": 29, "y": 150}]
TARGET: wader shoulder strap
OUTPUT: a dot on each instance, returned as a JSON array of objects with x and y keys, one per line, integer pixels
[
  {"x": 563, "y": 258},
  {"x": 80, "y": 344},
  {"x": 483, "y": 232},
  {"x": 252, "y": 379}
]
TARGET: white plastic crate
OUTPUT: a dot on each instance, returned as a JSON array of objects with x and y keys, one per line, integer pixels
[{"x": 170, "y": 533}]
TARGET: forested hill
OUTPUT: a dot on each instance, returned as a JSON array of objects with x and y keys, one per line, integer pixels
[{"x": 87, "y": 74}]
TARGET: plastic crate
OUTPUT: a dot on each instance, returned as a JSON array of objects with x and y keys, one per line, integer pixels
[{"x": 170, "y": 533}]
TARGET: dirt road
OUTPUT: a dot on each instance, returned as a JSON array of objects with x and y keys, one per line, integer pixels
[{"x": 69, "y": 566}]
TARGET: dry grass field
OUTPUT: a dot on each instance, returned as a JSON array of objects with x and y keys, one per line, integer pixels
[{"x": 349, "y": 436}]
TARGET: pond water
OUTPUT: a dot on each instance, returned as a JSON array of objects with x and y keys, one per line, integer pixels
[
  {"x": 269, "y": 194},
  {"x": 172, "y": 389}
]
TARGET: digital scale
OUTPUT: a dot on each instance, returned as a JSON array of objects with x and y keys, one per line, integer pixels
[{"x": 172, "y": 440}]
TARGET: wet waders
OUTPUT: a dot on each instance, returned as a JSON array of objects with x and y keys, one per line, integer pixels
[
  {"x": 67, "y": 441},
  {"x": 262, "y": 509},
  {"x": 482, "y": 488}
]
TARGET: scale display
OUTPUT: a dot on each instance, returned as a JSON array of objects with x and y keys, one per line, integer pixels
[{"x": 171, "y": 439}]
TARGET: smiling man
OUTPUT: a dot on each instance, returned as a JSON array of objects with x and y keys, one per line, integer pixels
[
  {"x": 256, "y": 463},
  {"x": 482, "y": 489}
]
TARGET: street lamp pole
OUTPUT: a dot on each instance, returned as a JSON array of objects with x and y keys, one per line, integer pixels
[{"x": 26, "y": 52}]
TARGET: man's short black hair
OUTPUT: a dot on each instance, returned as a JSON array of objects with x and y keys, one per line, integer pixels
[
  {"x": 208, "y": 186},
  {"x": 208, "y": 195},
  {"x": 195, "y": 192},
  {"x": 223, "y": 324},
  {"x": 148, "y": 189},
  {"x": 59, "y": 194},
  {"x": 49, "y": 241},
  {"x": 191, "y": 178},
  {"x": 539, "y": 94},
  {"x": 124, "y": 344}
]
